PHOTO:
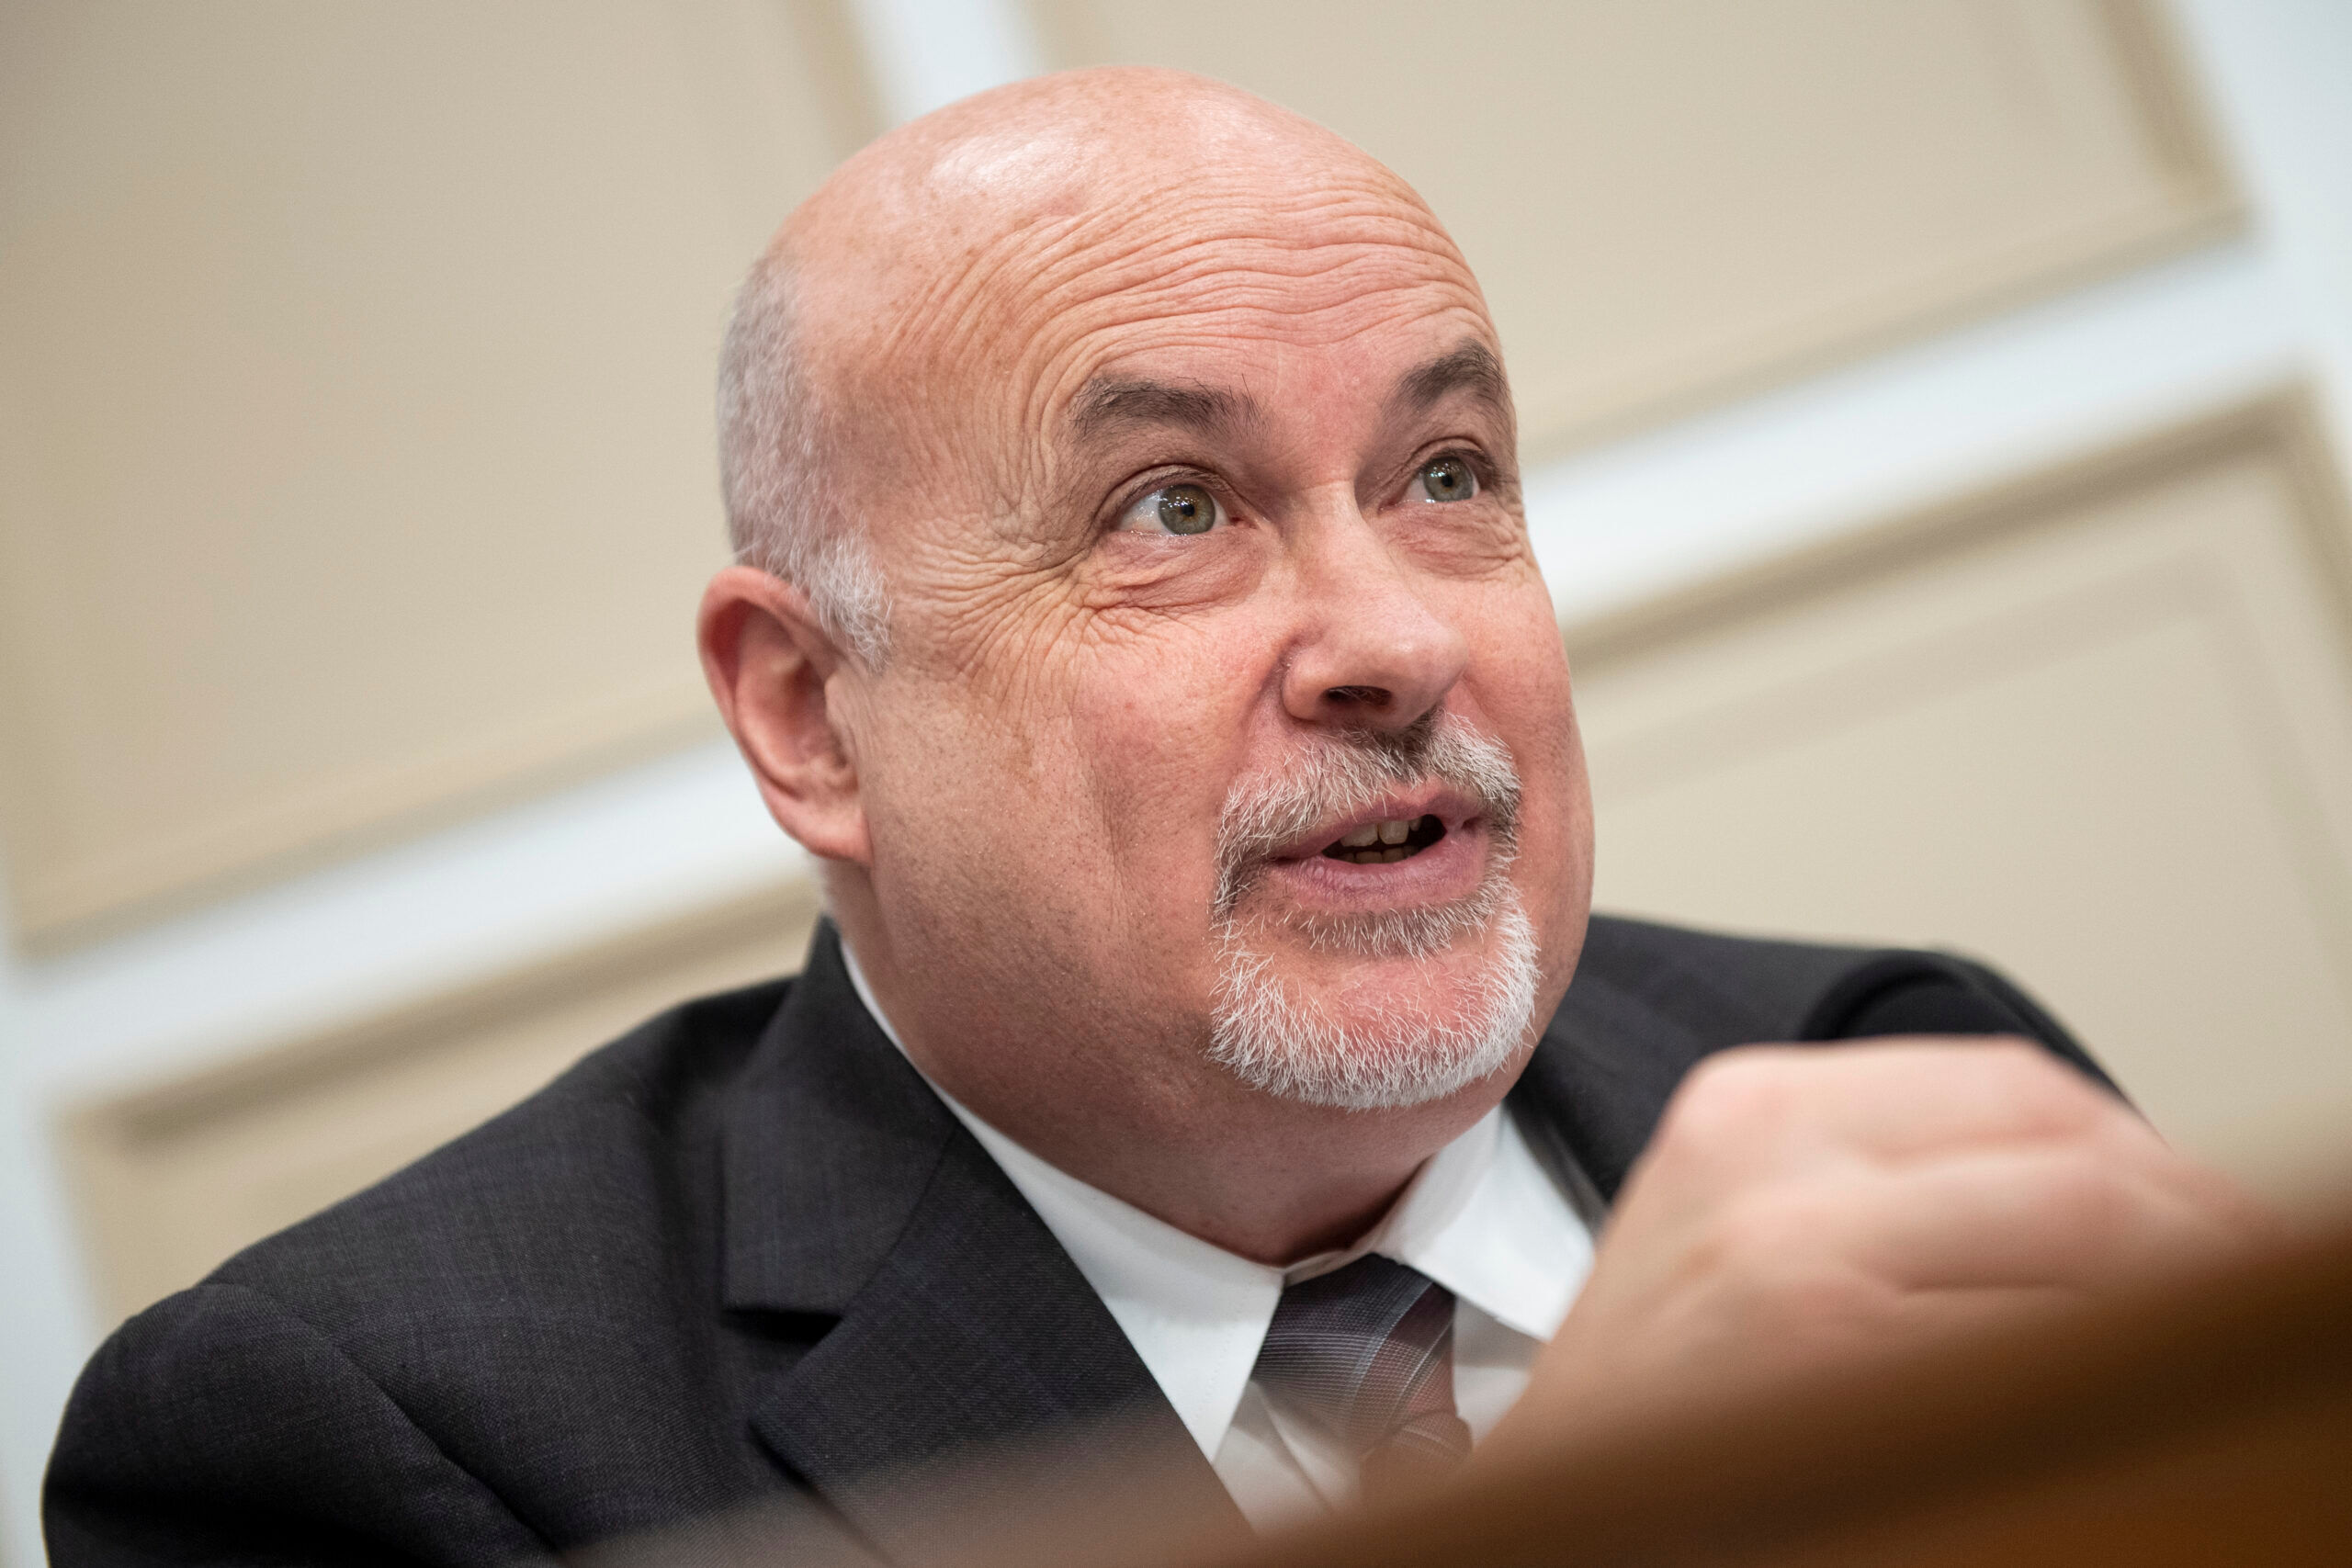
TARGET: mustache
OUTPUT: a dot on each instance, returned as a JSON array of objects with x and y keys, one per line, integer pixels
[{"x": 1346, "y": 770}]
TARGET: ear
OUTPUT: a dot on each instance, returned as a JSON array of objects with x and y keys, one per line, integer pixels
[{"x": 772, "y": 669}]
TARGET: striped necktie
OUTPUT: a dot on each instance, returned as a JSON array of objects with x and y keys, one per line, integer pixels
[{"x": 1367, "y": 1352}]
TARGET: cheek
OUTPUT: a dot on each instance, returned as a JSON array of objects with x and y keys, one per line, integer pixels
[
  {"x": 1518, "y": 671},
  {"x": 1160, "y": 721},
  {"x": 970, "y": 800},
  {"x": 1070, "y": 783},
  {"x": 1523, "y": 684}
]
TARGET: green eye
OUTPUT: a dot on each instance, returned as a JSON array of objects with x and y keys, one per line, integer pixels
[
  {"x": 1447, "y": 479},
  {"x": 1178, "y": 509},
  {"x": 1187, "y": 509}
]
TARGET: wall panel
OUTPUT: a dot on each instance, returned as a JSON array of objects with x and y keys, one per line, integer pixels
[
  {"x": 355, "y": 410},
  {"x": 1663, "y": 201},
  {"x": 2096, "y": 728}
]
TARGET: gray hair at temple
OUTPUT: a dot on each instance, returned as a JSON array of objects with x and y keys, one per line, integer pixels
[{"x": 772, "y": 459}]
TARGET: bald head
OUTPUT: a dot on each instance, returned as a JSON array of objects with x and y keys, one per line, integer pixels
[{"x": 933, "y": 280}]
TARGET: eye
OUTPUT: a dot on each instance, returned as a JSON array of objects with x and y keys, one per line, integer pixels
[
  {"x": 1447, "y": 479},
  {"x": 1175, "y": 509}
]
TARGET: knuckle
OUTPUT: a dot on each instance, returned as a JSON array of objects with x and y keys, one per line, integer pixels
[
  {"x": 1793, "y": 1298},
  {"x": 1828, "y": 1305},
  {"x": 1732, "y": 1091},
  {"x": 1768, "y": 1233},
  {"x": 2042, "y": 1087},
  {"x": 2090, "y": 1201}
]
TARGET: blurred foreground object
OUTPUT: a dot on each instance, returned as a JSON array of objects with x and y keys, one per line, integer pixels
[{"x": 2209, "y": 1422}]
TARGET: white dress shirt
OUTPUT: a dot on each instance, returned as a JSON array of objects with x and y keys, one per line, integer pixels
[{"x": 1481, "y": 1217}]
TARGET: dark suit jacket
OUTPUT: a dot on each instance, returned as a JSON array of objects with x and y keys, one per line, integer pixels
[{"x": 745, "y": 1255}]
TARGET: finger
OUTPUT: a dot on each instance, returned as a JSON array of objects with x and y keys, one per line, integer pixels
[
  {"x": 2058, "y": 1217},
  {"x": 1761, "y": 1107}
]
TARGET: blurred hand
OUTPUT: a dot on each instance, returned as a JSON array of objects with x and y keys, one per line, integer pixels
[{"x": 1805, "y": 1209}]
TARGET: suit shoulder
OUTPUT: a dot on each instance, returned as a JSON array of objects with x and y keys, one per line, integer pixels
[
  {"x": 523, "y": 1204},
  {"x": 1650, "y": 1001},
  {"x": 175, "y": 1446},
  {"x": 1727, "y": 989},
  {"x": 494, "y": 1333}
]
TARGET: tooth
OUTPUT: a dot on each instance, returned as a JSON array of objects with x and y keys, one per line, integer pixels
[
  {"x": 1368, "y": 857},
  {"x": 1358, "y": 838},
  {"x": 1393, "y": 854},
  {"x": 1394, "y": 830}
]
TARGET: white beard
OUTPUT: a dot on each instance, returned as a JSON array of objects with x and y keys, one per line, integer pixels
[{"x": 1292, "y": 1047}]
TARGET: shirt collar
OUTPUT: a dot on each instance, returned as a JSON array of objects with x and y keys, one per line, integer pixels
[{"x": 1481, "y": 1217}]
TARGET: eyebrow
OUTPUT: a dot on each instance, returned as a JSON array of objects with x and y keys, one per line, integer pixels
[
  {"x": 1471, "y": 369},
  {"x": 1109, "y": 405}
]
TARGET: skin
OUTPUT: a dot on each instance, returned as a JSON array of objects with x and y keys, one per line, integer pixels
[{"x": 1017, "y": 813}]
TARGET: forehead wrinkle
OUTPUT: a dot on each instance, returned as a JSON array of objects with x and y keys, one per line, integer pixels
[
  {"x": 1170, "y": 235},
  {"x": 1211, "y": 306},
  {"x": 1137, "y": 260},
  {"x": 1138, "y": 277},
  {"x": 1059, "y": 366}
]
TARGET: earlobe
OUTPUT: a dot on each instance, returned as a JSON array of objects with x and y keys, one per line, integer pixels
[{"x": 771, "y": 668}]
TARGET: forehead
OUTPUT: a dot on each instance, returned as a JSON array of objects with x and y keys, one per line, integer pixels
[
  {"x": 1256, "y": 287},
  {"x": 999, "y": 283}
]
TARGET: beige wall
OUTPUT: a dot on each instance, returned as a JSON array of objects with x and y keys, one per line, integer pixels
[{"x": 354, "y": 435}]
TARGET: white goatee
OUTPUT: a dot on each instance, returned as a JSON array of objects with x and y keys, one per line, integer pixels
[{"x": 1292, "y": 1046}]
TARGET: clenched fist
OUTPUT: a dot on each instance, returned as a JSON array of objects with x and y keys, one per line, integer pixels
[{"x": 1803, "y": 1209}]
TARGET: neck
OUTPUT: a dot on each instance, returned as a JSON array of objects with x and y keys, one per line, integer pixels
[
  {"x": 1275, "y": 1188},
  {"x": 1271, "y": 1180}
]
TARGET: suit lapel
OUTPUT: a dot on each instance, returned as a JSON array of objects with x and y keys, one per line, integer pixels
[
  {"x": 978, "y": 1343},
  {"x": 853, "y": 1193}
]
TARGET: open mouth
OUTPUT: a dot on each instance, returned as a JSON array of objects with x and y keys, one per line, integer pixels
[{"x": 1394, "y": 839}]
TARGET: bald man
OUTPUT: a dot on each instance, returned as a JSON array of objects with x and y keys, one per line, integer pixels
[{"x": 1135, "y": 618}]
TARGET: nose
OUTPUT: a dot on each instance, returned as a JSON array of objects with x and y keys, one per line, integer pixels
[{"x": 1370, "y": 652}]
